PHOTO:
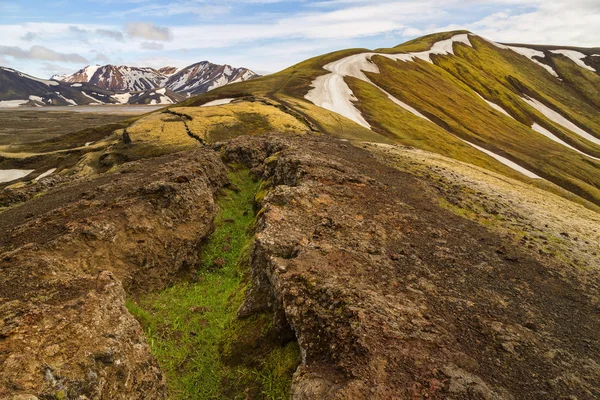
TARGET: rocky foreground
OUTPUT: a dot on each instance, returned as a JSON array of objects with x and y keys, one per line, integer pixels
[{"x": 389, "y": 294}]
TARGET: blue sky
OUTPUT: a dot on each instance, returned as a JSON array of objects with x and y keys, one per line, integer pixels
[{"x": 59, "y": 36}]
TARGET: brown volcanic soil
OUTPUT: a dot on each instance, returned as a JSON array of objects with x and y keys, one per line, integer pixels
[{"x": 392, "y": 296}]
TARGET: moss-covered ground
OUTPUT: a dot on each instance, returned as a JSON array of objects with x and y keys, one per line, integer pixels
[{"x": 192, "y": 328}]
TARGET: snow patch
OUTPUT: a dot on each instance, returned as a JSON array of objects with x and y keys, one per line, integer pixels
[
  {"x": 494, "y": 105},
  {"x": 7, "y": 175},
  {"x": 442, "y": 47},
  {"x": 559, "y": 119},
  {"x": 36, "y": 98},
  {"x": 76, "y": 85},
  {"x": 575, "y": 56},
  {"x": 504, "y": 161},
  {"x": 91, "y": 98},
  {"x": 529, "y": 53},
  {"x": 12, "y": 103},
  {"x": 540, "y": 129},
  {"x": 71, "y": 102},
  {"x": 122, "y": 98},
  {"x": 45, "y": 174},
  {"x": 218, "y": 102},
  {"x": 161, "y": 91}
]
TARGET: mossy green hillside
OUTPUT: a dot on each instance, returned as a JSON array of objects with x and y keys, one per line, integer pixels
[
  {"x": 446, "y": 92},
  {"x": 192, "y": 328}
]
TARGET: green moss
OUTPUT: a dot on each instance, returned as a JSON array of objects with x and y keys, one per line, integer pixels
[{"x": 192, "y": 328}]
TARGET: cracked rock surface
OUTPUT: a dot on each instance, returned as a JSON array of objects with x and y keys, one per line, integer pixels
[{"x": 393, "y": 297}]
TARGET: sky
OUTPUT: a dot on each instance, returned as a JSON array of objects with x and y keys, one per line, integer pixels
[{"x": 46, "y": 37}]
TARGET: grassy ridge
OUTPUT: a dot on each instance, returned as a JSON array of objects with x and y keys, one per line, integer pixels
[{"x": 192, "y": 327}]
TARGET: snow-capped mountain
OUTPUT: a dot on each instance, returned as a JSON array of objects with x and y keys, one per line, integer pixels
[
  {"x": 204, "y": 76},
  {"x": 110, "y": 84},
  {"x": 112, "y": 77},
  {"x": 18, "y": 89},
  {"x": 194, "y": 79}
]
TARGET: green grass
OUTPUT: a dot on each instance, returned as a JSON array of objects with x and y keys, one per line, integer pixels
[{"x": 192, "y": 327}]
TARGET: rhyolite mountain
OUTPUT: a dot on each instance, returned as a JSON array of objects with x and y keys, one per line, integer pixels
[
  {"x": 416, "y": 222},
  {"x": 111, "y": 84},
  {"x": 194, "y": 79},
  {"x": 21, "y": 90}
]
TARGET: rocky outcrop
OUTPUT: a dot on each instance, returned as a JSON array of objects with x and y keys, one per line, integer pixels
[
  {"x": 70, "y": 255},
  {"x": 389, "y": 295},
  {"x": 393, "y": 297}
]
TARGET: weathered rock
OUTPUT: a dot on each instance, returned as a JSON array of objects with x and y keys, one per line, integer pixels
[
  {"x": 393, "y": 297},
  {"x": 67, "y": 260}
]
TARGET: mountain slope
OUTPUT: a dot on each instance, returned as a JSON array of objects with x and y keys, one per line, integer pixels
[
  {"x": 204, "y": 76},
  {"x": 117, "y": 78},
  {"x": 459, "y": 95}
]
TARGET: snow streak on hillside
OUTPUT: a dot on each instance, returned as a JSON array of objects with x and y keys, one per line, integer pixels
[{"x": 331, "y": 92}]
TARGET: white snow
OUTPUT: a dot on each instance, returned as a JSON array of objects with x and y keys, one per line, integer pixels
[
  {"x": 494, "y": 105},
  {"x": 218, "y": 102},
  {"x": 404, "y": 105},
  {"x": 12, "y": 103},
  {"x": 559, "y": 119},
  {"x": 76, "y": 85},
  {"x": 161, "y": 91},
  {"x": 439, "y": 48},
  {"x": 122, "y": 98},
  {"x": 576, "y": 56},
  {"x": 529, "y": 53},
  {"x": 153, "y": 102},
  {"x": 7, "y": 175},
  {"x": 165, "y": 100},
  {"x": 505, "y": 161},
  {"x": 36, "y": 98},
  {"x": 538, "y": 128},
  {"x": 331, "y": 92},
  {"x": 45, "y": 174},
  {"x": 71, "y": 102},
  {"x": 91, "y": 98}
]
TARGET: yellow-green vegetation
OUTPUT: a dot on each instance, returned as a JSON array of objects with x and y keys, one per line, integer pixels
[
  {"x": 239, "y": 118},
  {"x": 161, "y": 130},
  {"x": 205, "y": 351},
  {"x": 288, "y": 88},
  {"x": 454, "y": 106}
]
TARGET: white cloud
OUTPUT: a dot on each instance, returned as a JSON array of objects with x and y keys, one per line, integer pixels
[
  {"x": 148, "y": 31},
  {"x": 152, "y": 46},
  {"x": 40, "y": 53}
]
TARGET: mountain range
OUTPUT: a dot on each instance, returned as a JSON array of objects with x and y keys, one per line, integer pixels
[
  {"x": 415, "y": 222},
  {"x": 112, "y": 84}
]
